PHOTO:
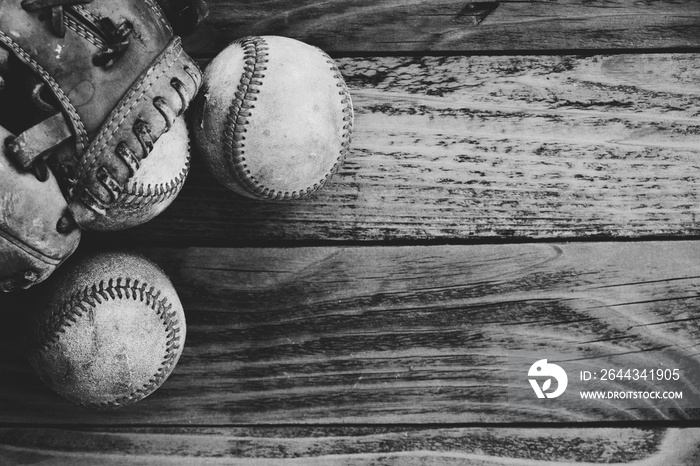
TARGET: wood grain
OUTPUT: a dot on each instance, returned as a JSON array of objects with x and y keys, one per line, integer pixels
[
  {"x": 454, "y": 26},
  {"x": 405, "y": 335},
  {"x": 295, "y": 342},
  {"x": 484, "y": 147},
  {"x": 350, "y": 446}
]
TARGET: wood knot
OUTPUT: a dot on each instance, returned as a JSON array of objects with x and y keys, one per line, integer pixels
[{"x": 477, "y": 11}]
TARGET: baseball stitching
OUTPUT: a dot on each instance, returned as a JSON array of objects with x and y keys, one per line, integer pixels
[
  {"x": 348, "y": 116},
  {"x": 80, "y": 303},
  {"x": 141, "y": 195},
  {"x": 255, "y": 55}
]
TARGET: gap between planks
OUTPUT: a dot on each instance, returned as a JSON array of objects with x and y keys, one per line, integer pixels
[
  {"x": 454, "y": 26},
  {"x": 347, "y": 446}
]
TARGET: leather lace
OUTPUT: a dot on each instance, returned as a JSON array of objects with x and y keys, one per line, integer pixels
[{"x": 111, "y": 38}]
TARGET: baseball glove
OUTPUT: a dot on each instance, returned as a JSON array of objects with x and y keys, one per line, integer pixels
[{"x": 112, "y": 78}]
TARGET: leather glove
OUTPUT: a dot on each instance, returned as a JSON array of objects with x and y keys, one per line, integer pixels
[
  {"x": 113, "y": 79},
  {"x": 35, "y": 232}
]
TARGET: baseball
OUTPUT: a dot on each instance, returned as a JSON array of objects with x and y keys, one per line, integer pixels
[
  {"x": 155, "y": 184},
  {"x": 110, "y": 331},
  {"x": 274, "y": 118}
]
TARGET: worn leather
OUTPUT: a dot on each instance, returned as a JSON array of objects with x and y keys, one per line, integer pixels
[
  {"x": 31, "y": 247},
  {"x": 103, "y": 104}
]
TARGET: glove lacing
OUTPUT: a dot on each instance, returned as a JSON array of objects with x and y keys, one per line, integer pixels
[{"x": 113, "y": 39}]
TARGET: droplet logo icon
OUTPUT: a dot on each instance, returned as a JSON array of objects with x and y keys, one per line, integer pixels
[{"x": 543, "y": 369}]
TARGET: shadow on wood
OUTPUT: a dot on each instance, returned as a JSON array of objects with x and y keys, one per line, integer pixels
[{"x": 441, "y": 334}]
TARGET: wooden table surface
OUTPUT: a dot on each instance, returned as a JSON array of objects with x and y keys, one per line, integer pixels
[{"x": 523, "y": 180}]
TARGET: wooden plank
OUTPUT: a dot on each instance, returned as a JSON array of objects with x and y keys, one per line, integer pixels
[
  {"x": 350, "y": 446},
  {"x": 485, "y": 147},
  {"x": 405, "y": 335},
  {"x": 420, "y": 26}
]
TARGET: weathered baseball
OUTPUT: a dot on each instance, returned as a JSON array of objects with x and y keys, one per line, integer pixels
[
  {"x": 109, "y": 331},
  {"x": 273, "y": 119},
  {"x": 157, "y": 181}
]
